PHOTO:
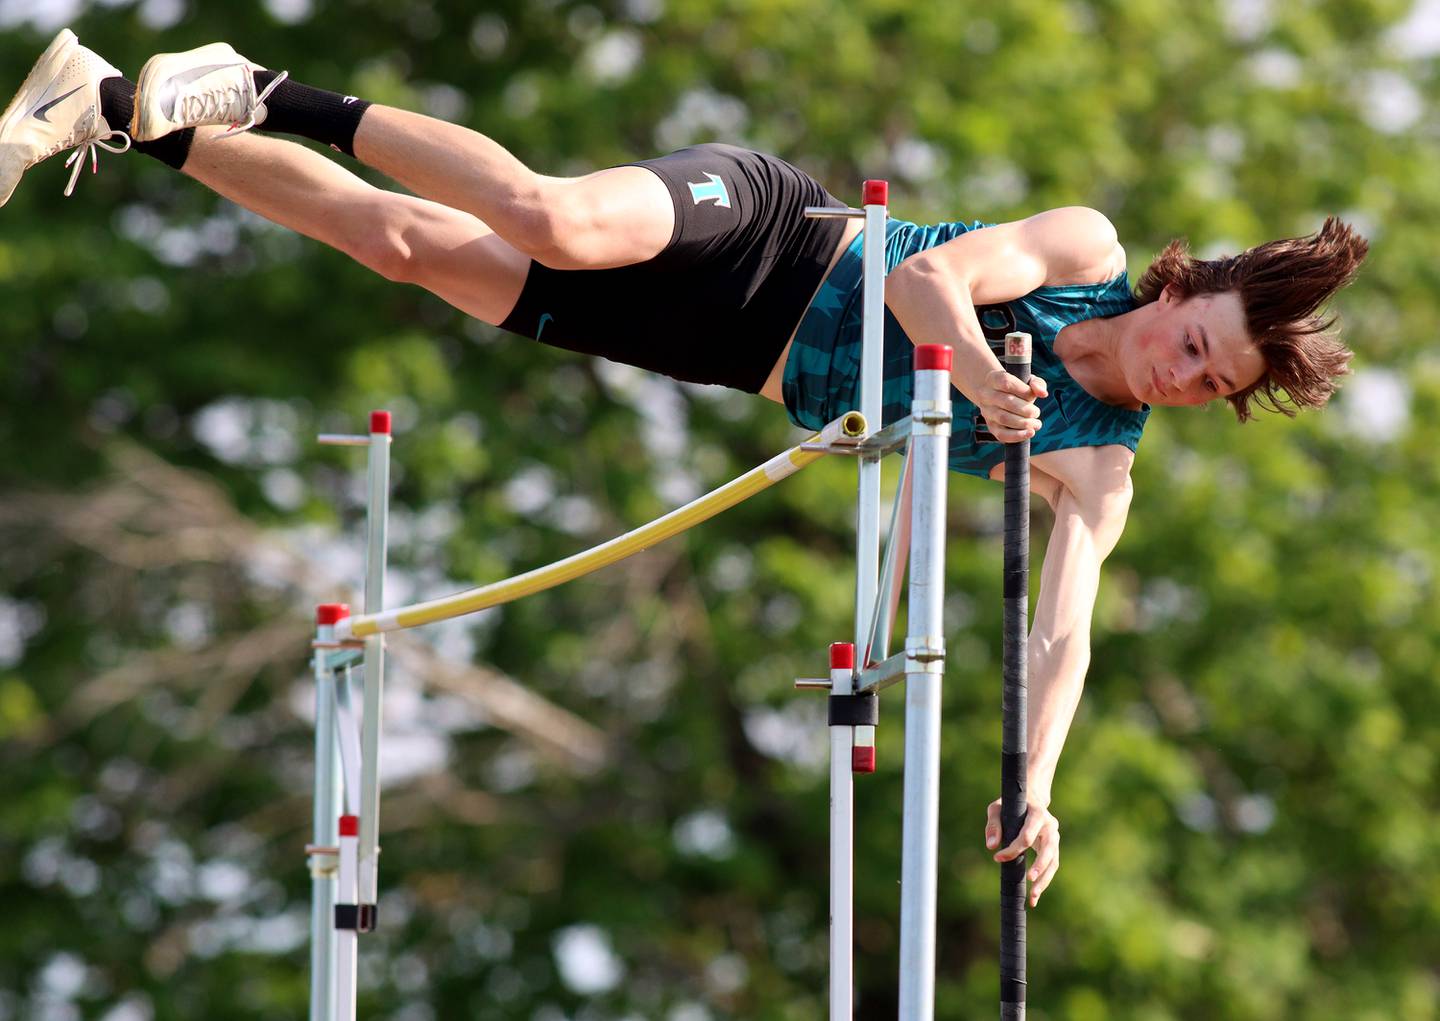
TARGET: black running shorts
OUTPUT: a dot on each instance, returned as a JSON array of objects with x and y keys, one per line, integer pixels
[{"x": 719, "y": 303}]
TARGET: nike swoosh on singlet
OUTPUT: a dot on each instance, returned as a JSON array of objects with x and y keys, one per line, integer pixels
[
  {"x": 170, "y": 91},
  {"x": 546, "y": 318},
  {"x": 40, "y": 111}
]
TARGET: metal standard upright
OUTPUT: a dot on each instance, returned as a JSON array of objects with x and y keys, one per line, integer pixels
[
  {"x": 924, "y": 671},
  {"x": 346, "y": 848},
  {"x": 324, "y": 852},
  {"x": 845, "y": 758},
  {"x": 853, "y": 708}
]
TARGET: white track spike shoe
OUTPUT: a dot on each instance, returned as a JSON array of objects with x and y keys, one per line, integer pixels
[
  {"x": 209, "y": 85},
  {"x": 58, "y": 108}
]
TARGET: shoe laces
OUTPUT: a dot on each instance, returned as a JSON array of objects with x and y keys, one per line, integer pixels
[
  {"x": 92, "y": 146},
  {"x": 257, "y": 109}
]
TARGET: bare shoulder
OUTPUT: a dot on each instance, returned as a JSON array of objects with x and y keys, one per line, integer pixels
[{"x": 1081, "y": 245}]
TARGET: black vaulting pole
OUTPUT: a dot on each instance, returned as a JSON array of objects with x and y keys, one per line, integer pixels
[{"x": 1013, "y": 741}]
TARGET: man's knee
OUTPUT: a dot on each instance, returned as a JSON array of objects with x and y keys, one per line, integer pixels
[
  {"x": 559, "y": 231},
  {"x": 382, "y": 242}
]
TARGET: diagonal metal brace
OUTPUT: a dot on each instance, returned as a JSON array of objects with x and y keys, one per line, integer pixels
[{"x": 882, "y": 675}]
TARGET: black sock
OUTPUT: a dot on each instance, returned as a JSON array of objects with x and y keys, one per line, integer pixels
[
  {"x": 117, "y": 103},
  {"x": 325, "y": 117}
]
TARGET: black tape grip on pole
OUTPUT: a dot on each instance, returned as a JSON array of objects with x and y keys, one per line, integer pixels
[{"x": 1012, "y": 945}]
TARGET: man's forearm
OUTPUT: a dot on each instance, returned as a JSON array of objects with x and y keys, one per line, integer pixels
[
  {"x": 935, "y": 308},
  {"x": 1057, "y": 677},
  {"x": 1085, "y": 531}
]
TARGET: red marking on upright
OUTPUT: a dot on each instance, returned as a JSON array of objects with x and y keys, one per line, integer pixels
[
  {"x": 933, "y": 356},
  {"x": 331, "y": 613}
]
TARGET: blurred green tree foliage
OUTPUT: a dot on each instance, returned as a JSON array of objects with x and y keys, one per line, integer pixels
[{"x": 1248, "y": 792}]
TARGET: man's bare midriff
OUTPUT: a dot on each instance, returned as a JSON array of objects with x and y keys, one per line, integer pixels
[{"x": 771, "y": 389}]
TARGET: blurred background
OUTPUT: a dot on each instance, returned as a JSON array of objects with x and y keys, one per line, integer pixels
[{"x": 606, "y": 803}]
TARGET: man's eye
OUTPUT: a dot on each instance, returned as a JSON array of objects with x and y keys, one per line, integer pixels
[{"x": 1213, "y": 388}]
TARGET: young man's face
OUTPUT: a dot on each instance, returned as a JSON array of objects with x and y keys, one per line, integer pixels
[{"x": 1194, "y": 351}]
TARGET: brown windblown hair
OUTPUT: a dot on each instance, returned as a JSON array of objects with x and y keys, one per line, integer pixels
[{"x": 1281, "y": 286}]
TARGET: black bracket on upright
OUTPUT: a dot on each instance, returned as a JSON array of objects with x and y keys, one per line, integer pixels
[
  {"x": 855, "y": 710},
  {"x": 356, "y": 917}
]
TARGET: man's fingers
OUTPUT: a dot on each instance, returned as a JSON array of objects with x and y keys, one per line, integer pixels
[
  {"x": 1047, "y": 859},
  {"x": 1009, "y": 420},
  {"x": 1047, "y": 853},
  {"x": 1020, "y": 406},
  {"x": 1039, "y": 886},
  {"x": 1008, "y": 383},
  {"x": 1035, "y": 822},
  {"x": 1017, "y": 847}
]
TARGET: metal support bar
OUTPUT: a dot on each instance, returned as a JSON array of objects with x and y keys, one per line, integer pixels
[
  {"x": 834, "y": 213},
  {"x": 924, "y": 670},
  {"x": 892, "y": 572},
  {"x": 356, "y": 888},
  {"x": 377, "y": 523},
  {"x": 323, "y": 826},
  {"x": 842, "y": 850}
]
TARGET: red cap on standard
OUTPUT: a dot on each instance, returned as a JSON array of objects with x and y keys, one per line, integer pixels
[
  {"x": 842, "y": 656},
  {"x": 877, "y": 193},
  {"x": 933, "y": 356},
  {"x": 862, "y": 760},
  {"x": 349, "y": 825},
  {"x": 331, "y": 613},
  {"x": 380, "y": 422}
]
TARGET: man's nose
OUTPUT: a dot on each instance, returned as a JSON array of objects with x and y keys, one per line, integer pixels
[{"x": 1186, "y": 374}]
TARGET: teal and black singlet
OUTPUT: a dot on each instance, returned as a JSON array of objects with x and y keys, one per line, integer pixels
[{"x": 822, "y": 372}]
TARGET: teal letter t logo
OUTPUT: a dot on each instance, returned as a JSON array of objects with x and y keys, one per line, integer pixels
[{"x": 712, "y": 189}]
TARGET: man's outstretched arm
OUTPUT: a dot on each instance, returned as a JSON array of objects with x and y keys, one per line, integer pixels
[
  {"x": 1089, "y": 489},
  {"x": 1088, "y": 524}
]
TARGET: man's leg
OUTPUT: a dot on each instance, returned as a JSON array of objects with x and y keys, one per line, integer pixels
[
  {"x": 403, "y": 238},
  {"x": 612, "y": 218}
]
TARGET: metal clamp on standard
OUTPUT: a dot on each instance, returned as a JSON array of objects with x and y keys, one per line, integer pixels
[
  {"x": 925, "y": 654},
  {"x": 931, "y": 418}
]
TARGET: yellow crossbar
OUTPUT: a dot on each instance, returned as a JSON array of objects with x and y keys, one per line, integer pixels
[{"x": 849, "y": 427}]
